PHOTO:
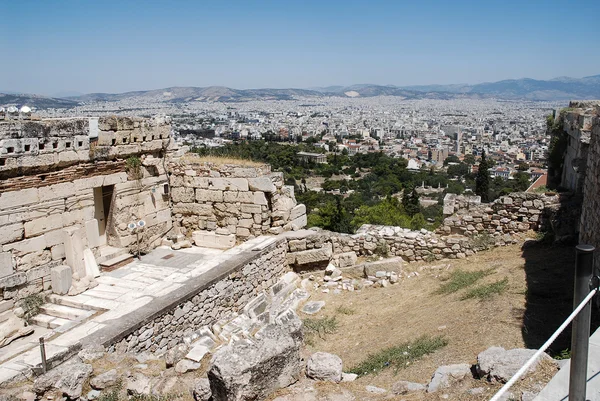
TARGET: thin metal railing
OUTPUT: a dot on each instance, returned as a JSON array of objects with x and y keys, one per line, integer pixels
[{"x": 581, "y": 329}]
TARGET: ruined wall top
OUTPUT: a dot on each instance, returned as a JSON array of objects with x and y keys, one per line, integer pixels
[
  {"x": 194, "y": 165},
  {"x": 33, "y": 145}
]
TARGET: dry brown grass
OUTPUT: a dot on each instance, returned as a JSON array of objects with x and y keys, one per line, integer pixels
[
  {"x": 220, "y": 160},
  {"x": 385, "y": 317}
]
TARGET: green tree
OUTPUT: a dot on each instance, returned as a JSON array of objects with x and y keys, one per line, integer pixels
[
  {"x": 482, "y": 181},
  {"x": 469, "y": 159},
  {"x": 410, "y": 201},
  {"x": 417, "y": 222},
  {"x": 451, "y": 159}
]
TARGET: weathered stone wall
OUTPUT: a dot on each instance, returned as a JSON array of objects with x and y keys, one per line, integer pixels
[
  {"x": 52, "y": 201},
  {"x": 247, "y": 201},
  {"x": 590, "y": 215},
  {"x": 471, "y": 228},
  {"x": 577, "y": 124},
  {"x": 33, "y": 146},
  {"x": 210, "y": 304}
]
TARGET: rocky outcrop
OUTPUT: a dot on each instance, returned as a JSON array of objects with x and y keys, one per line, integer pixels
[
  {"x": 68, "y": 379},
  {"x": 324, "y": 367},
  {"x": 201, "y": 391},
  {"x": 252, "y": 370},
  {"x": 446, "y": 376},
  {"x": 104, "y": 380},
  {"x": 499, "y": 364}
]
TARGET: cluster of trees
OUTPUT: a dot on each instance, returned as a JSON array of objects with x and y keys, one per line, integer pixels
[{"x": 371, "y": 195}]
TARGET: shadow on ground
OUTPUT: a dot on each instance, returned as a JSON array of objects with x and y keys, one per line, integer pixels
[{"x": 549, "y": 301}]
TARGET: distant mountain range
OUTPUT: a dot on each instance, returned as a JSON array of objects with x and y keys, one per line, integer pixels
[
  {"x": 558, "y": 89},
  {"x": 40, "y": 102}
]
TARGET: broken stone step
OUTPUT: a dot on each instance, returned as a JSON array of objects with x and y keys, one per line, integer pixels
[
  {"x": 117, "y": 262},
  {"x": 73, "y": 302},
  {"x": 65, "y": 312},
  {"x": 109, "y": 252},
  {"x": 49, "y": 322}
]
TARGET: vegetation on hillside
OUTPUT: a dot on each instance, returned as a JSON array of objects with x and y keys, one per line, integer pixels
[{"x": 369, "y": 188}]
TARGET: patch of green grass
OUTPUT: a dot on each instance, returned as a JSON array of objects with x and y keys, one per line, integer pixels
[
  {"x": 344, "y": 310},
  {"x": 31, "y": 305},
  {"x": 564, "y": 354},
  {"x": 319, "y": 327},
  {"x": 460, "y": 279},
  {"x": 399, "y": 356},
  {"x": 113, "y": 394},
  {"x": 487, "y": 290}
]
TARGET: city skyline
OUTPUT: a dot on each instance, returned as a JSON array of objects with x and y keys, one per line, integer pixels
[{"x": 114, "y": 48}]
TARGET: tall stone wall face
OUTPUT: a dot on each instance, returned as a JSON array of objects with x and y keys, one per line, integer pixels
[
  {"x": 35, "y": 224},
  {"x": 246, "y": 201},
  {"x": 590, "y": 215},
  {"x": 48, "y": 210},
  {"x": 209, "y": 304}
]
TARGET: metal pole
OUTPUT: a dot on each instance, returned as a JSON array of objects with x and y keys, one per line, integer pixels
[
  {"x": 43, "y": 352},
  {"x": 584, "y": 267}
]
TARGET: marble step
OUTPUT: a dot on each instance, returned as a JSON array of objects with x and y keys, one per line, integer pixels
[
  {"x": 116, "y": 262},
  {"x": 78, "y": 301},
  {"x": 66, "y": 312},
  {"x": 109, "y": 252},
  {"x": 47, "y": 321}
]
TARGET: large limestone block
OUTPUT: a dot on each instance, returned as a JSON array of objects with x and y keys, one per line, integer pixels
[
  {"x": 91, "y": 267},
  {"x": 183, "y": 194},
  {"x": 6, "y": 264},
  {"x": 314, "y": 255},
  {"x": 207, "y": 195},
  {"x": 239, "y": 196},
  {"x": 499, "y": 364},
  {"x": 263, "y": 184},
  {"x": 210, "y": 239},
  {"x": 44, "y": 224},
  {"x": 193, "y": 209},
  {"x": 252, "y": 371},
  {"x": 324, "y": 367},
  {"x": 299, "y": 222},
  {"x": 297, "y": 211},
  {"x": 11, "y": 233},
  {"x": 57, "y": 191},
  {"x": 92, "y": 233},
  {"x": 61, "y": 277},
  {"x": 228, "y": 184},
  {"x": 13, "y": 280},
  {"x": 68, "y": 379},
  {"x": 9, "y": 200},
  {"x": 259, "y": 198},
  {"x": 386, "y": 265},
  {"x": 446, "y": 376},
  {"x": 35, "y": 244},
  {"x": 74, "y": 250}
]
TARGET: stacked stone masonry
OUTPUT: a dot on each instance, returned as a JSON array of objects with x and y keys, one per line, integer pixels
[
  {"x": 57, "y": 177},
  {"x": 87, "y": 179},
  {"x": 577, "y": 122},
  {"x": 590, "y": 216},
  {"x": 209, "y": 305},
  {"x": 246, "y": 201},
  {"x": 470, "y": 228}
]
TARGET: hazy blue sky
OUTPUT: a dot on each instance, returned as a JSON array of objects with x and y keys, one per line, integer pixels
[{"x": 115, "y": 46}]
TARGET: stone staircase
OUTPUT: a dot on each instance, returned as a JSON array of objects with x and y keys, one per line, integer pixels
[
  {"x": 272, "y": 306},
  {"x": 111, "y": 258},
  {"x": 61, "y": 314}
]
